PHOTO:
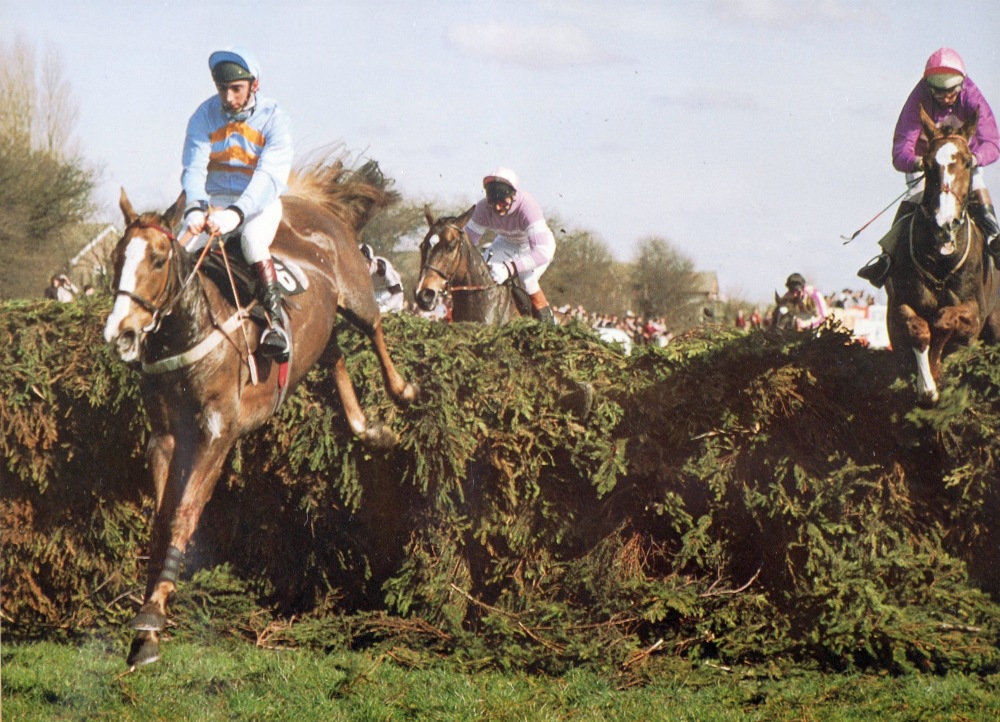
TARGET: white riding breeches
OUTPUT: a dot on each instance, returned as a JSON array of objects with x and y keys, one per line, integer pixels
[
  {"x": 503, "y": 250},
  {"x": 257, "y": 230}
]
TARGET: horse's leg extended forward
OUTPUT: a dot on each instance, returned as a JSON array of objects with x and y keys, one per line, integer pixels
[
  {"x": 403, "y": 392},
  {"x": 918, "y": 338},
  {"x": 376, "y": 435},
  {"x": 960, "y": 323},
  {"x": 184, "y": 481}
]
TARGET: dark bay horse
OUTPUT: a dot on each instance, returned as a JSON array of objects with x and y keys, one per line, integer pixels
[
  {"x": 942, "y": 287},
  {"x": 450, "y": 264},
  {"x": 194, "y": 348}
]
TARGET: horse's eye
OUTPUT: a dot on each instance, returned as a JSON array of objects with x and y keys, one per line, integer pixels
[{"x": 159, "y": 262}]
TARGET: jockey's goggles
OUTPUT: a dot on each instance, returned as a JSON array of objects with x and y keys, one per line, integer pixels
[
  {"x": 942, "y": 92},
  {"x": 498, "y": 192}
]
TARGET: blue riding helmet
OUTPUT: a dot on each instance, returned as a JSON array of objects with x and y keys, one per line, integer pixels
[{"x": 238, "y": 57}]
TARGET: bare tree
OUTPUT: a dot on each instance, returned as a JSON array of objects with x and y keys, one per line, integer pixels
[
  {"x": 45, "y": 187},
  {"x": 58, "y": 110},
  {"x": 17, "y": 92}
]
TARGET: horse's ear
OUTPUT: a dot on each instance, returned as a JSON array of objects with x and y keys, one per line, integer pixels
[
  {"x": 175, "y": 213},
  {"x": 428, "y": 216},
  {"x": 968, "y": 128},
  {"x": 930, "y": 127},
  {"x": 127, "y": 210},
  {"x": 464, "y": 218}
]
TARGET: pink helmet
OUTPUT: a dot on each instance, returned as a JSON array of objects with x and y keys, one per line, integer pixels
[{"x": 944, "y": 61}]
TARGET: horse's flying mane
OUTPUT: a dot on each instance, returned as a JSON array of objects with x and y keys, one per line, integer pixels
[{"x": 352, "y": 195}]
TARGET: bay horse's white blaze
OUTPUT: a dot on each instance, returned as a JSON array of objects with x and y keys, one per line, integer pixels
[
  {"x": 926, "y": 388},
  {"x": 947, "y": 210},
  {"x": 135, "y": 253}
]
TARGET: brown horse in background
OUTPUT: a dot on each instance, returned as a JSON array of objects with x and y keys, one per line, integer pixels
[
  {"x": 200, "y": 386},
  {"x": 450, "y": 264},
  {"x": 942, "y": 287}
]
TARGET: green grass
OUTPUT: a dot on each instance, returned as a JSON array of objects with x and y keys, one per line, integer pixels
[{"x": 48, "y": 681}]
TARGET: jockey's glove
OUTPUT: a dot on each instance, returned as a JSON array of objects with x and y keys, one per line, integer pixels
[
  {"x": 225, "y": 220},
  {"x": 195, "y": 220},
  {"x": 501, "y": 271}
]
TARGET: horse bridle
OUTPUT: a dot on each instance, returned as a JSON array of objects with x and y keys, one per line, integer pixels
[
  {"x": 159, "y": 310},
  {"x": 458, "y": 259},
  {"x": 930, "y": 278},
  {"x": 947, "y": 187}
]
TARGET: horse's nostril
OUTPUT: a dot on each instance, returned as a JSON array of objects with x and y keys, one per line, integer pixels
[{"x": 425, "y": 298}]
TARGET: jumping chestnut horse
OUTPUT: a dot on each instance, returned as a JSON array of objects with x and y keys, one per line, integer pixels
[
  {"x": 449, "y": 263},
  {"x": 199, "y": 386},
  {"x": 942, "y": 287}
]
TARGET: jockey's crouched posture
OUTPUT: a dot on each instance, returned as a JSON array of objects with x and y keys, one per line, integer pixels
[
  {"x": 237, "y": 159},
  {"x": 524, "y": 244},
  {"x": 950, "y": 97}
]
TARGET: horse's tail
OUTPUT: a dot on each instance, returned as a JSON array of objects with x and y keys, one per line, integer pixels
[{"x": 352, "y": 195}]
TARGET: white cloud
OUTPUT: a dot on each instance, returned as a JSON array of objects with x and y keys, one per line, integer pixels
[{"x": 536, "y": 46}]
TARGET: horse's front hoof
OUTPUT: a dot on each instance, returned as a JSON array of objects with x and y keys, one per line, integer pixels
[
  {"x": 149, "y": 619},
  {"x": 379, "y": 436},
  {"x": 410, "y": 394},
  {"x": 928, "y": 400},
  {"x": 145, "y": 649}
]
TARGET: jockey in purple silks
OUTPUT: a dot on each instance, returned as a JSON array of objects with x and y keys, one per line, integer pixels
[
  {"x": 950, "y": 97},
  {"x": 524, "y": 244},
  {"x": 237, "y": 159}
]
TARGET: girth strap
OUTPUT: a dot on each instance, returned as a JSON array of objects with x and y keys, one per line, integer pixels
[{"x": 196, "y": 352}]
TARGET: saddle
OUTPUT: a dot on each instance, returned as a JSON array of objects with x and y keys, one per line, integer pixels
[{"x": 245, "y": 279}]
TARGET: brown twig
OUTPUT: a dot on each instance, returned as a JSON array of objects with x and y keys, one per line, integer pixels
[{"x": 639, "y": 656}]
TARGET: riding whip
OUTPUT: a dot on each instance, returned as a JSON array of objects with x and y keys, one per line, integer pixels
[{"x": 848, "y": 239}]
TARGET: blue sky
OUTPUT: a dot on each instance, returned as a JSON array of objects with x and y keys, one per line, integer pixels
[{"x": 750, "y": 134}]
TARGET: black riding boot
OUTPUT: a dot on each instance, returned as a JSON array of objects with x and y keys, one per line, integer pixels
[
  {"x": 274, "y": 340},
  {"x": 544, "y": 314},
  {"x": 877, "y": 269},
  {"x": 981, "y": 210}
]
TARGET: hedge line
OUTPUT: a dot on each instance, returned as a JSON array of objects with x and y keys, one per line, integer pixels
[{"x": 738, "y": 498}]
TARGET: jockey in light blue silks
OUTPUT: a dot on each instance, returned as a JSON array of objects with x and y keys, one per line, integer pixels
[{"x": 237, "y": 159}]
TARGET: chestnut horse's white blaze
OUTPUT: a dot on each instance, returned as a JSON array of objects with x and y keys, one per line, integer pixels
[{"x": 135, "y": 253}]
